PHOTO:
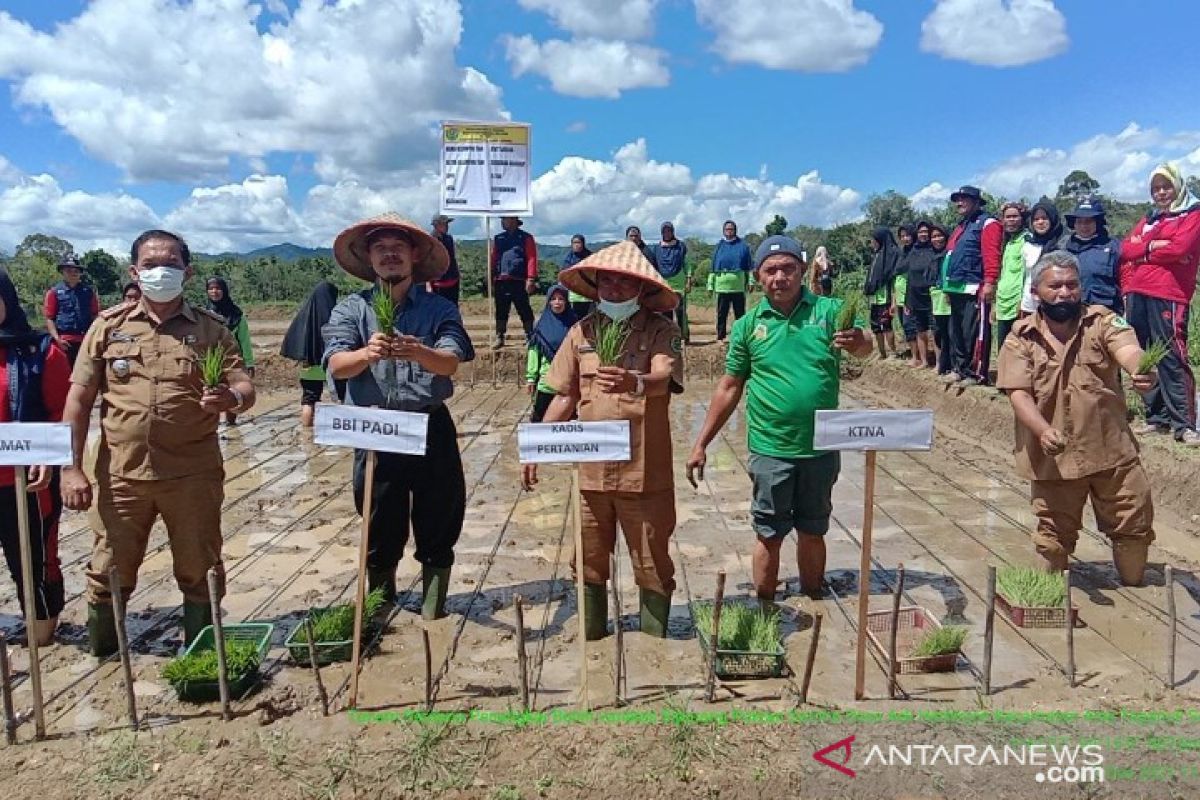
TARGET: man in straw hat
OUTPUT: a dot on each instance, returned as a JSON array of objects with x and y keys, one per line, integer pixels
[
  {"x": 648, "y": 369},
  {"x": 429, "y": 342}
]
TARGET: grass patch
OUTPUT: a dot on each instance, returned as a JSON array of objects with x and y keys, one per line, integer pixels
[
  {"x": 241, "y": 658},
  {"x": 743, "y": 627},
  {"x": 1031, "y": 588},
  {"x": 940, "y": 641},
  {"x": 336, "y": 623}
]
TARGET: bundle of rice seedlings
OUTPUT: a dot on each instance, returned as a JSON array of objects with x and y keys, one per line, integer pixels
[
  {"x": 940, "y": 641},
  {"x": 336, "y": 623},
  {"x": 1031, "y": 588},
  {"x": 851, "y": 307},
  {"x": 212, "y": 366},
  {"x": 743, "y": 628},
  {"x": 241, "y": 658},
  {"x": 1153, "y": 354},
  {"x": 610, "y": 340},
  {"x": 385, "y": 309}
]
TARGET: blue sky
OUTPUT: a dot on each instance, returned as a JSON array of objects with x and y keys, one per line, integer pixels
[{"x": 245, "y": 129}]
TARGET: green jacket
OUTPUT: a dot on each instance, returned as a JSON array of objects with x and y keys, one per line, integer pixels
[{"x": 536, "y": 367}]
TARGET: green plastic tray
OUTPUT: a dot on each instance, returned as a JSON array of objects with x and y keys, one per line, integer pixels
[
  {"x": 327, "y": 652},
  {"x": 744, "y": 663},
  {"x": 210, "y": 691}
]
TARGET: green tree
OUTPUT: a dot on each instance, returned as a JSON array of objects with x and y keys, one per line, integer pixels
[
  {"x": 890, "y": 209},
  {"x": 1077, "y": 184},
  {"x": 52, "y": 247},
  {"x": 103, "y": 271},
  {"x": 777, "y": 226}
]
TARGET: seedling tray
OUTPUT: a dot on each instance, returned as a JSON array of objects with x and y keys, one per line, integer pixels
[
  {"x": 327, "y": 652},
  {"x": 744, "y": 663},
  {"x": 239, "y": 685},
  {"x": 912, "y": 624},
  {"x": 1036, "y": 616}
]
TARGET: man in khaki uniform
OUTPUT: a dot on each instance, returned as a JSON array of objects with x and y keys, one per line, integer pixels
[
  {"x": 640, "y": 493},
  {"x": 1060, "y": 367},
  {"x": 158, "y": 453}
]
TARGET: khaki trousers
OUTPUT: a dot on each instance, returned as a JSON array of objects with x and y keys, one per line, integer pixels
[{"x": 647, "y": 519}]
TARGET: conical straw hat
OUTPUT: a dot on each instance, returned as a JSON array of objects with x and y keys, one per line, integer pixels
[
  {"x": 624, "y": 258},
  {"x": 430, "y": 259}
]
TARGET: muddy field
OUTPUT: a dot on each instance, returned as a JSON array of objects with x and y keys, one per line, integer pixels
[{"x": 291, "y": 543}]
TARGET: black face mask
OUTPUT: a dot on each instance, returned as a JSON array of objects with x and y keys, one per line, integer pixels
[{"x": 1062, "y": 312}]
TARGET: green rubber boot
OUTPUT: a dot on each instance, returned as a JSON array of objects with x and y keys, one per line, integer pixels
[
  {"x": 434, "y": 582},
  {"x": 382, "y": 579},
  {"x": 102, "y": 630},
  {"x": 595, "y": 611},
  {"x": 196, "y": 617},
  {"x": 656, "y": 610}
]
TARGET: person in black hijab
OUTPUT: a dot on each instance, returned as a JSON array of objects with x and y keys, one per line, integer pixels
[
  {"x": 878, "y": 288},
  {"x": 303, "y": 342},
  {"x": 922, "y": 269},
  {"x": 907, "y": 235},
  {"x": 221, "y": 304}
]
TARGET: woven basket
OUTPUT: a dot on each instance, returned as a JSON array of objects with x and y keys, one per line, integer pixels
[
  {"x": 912, "y": 624},
  {"x": 1036, "y": 616}
]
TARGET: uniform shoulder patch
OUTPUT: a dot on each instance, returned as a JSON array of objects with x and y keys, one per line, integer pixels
[
  {"x": 112, "y": 312},
  {"x": 210, "y": 314},
  {"x": 1119, "y": 322}
]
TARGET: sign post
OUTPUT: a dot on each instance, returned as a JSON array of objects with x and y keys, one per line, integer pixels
[
  {"x": 870, "y": 431},
  {"x": 26, "y": 444},
  {"x": 373, "y": 430},
  {"x": 575, "y": 443}
]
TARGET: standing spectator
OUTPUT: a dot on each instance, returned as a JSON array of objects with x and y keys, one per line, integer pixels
[
  {"x": 447, "y": 285},
  {"x": 34, "y": 376},
  {"x": 221, "y": 304},
  {"x": 305, "y": 343},
  {"x": 131, "y": 292},
  {"x": 907, "y": 237},
  {"x": 634, "y": 234},
  {"x": 924, "y": 264},
  {"x": 729, "y": 276},
  {"x": 578, "y": 252},
  {"x": 548, "y": 335},
  {"x": 878, "y": 288},
  {"x": 1012, "y": 285},
  {"x": 69, "y": 308},
  {"x": 1045, "y": 232},
  {"x": 971, "y": 275},
  {"x": 820, "y": 277},
  {"x": 1158, "y": 276},
  {"x": 1099, "y": 256},
  {"x": 938, "y": 237},
  {"x": 670, "y": 259},
  {"x": 514, "y": 272}
]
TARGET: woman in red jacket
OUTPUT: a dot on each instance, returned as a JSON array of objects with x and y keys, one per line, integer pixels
[{"x": 1158, "y": 278}]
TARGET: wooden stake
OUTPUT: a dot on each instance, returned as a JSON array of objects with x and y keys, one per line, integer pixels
[
  {"x": 522, "y": 668},
  {"x": 989, "y": 630},
  {"x": 896, "y": 593},
  {"x": 812, "y": 656},
  {"x": 361, "y": 588},
  {"x": 864, "y": 576},
  {"x": 218, "y": 628},
  {"x": 428, "y": 670},
  {"x": 710, "y": 689},
  {"x": 316, "y": 668},
  {"x": 10, "y": 719},
  {"x": 118, "y": 601},
  {"x": 576, "y": 504},
  {"x": 35, "y": 665},
  {"x": 1070, "y": 631},
  {"x": 1171, "y": 627},
  {"x": 618, "y": 645}
]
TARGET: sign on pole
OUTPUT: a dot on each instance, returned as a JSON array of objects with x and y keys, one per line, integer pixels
[
  {"x": 573, "y": 442},
  {"x": 485, "y": 169},
  {"x": 29, "y": 443},
  {"x": 370, "y": 429}
]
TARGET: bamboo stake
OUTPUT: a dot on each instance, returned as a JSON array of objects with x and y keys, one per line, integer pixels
[
  {"x": 1171, "y": 627},
  {"x": 35, "y": 664},
  {"x": 618, "y": 645},
  {"x": 118, "y": 600},
  {"x": 360, "y": 590},
  {"x": 522, "y": 668},
  {"x": 812, "y": 656},
  {"x": 10, "y": 719},
  {"x": 578, "y": 523},
  {"x": 316, "y": 668},
  {"x": 1070, "y": 630},
  {"x": 989, "y": 630},
  {"x": 218, "y": 629},
  {"x": 896, "y": 593},
  {"x": 864, "y": 576},
  {"x": 714, "y": 638},
  {"x": 428, "y": 670}
]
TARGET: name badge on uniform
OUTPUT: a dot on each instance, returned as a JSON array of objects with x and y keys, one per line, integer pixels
[
  {"x": 121, "y": 368},
  {"x": 586, "y": 348},
  {"x": 117, "y": 336},
  {"x": 189, "y": 339}
]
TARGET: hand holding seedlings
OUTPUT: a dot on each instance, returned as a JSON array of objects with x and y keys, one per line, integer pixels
[
  {"x": 1052, "y": 441},
  {"x": 851, "y": 339},
  {"x": 406, "y": 348},
  {"x": 379, "y": 347},
  {"x": 216, "y": 396},
  {"x": 1147, "y": 372},
  {"x": 614, "y": 380}
]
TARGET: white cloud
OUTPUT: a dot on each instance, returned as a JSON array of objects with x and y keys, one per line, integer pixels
[
  {"x": 995, "y": 33},
  {"x": 255, "y": 212},
  {"x": 804, "y": 35},
  {"x": 579, "y": 126},
  {"x": 929, "y": 197},
  {"x": 588, "y": 67},
  {"x": 614, "y": 19},
  {"x": 173, "y": 90}
]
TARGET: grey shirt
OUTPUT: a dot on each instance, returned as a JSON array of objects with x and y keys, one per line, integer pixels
[{"x": 430, "y": 317}]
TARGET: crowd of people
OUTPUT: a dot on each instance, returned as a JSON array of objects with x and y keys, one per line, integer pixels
[{"x": 1054, "y": 293}]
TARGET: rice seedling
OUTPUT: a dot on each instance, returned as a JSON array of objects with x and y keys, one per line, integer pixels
[
  {"x": 336, "y": 623},
  {"x": 940, "y": 641},
  {"x": 743, "y": 628},
  {"x": 241, "y": 658},
  {"x": 212, "y": 366},
  {"x": 385, "y": 309},
  {"x": 610, "y": 341},
  {"x": 1154, "y": 354},
  {"x": 1031, "y": 588},
  {"x": 851, "y": 307}
]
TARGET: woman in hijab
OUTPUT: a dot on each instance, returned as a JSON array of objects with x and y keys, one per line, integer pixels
[
  {"x": 820, "y": 277},
  {"x": 907, "y": 234},
  {"x": 552, "y": 326},
  {"x": 1158, "y": 275},
  {"x": 34, "y": 378},
  {"x": 923, "y": 265},
  {"x": 303, "y": 342},
  {"x": 939, "y": 237},
  {"x": 220, "y": 303},
  {"x": 1012, "y": 280},
  {"x": 1045, "y": 231},
  {"x": 578, "y": 252},
  {"x": 878, "y": 288}
]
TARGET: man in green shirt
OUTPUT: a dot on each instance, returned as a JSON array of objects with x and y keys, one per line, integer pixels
[{"x": 785, "y": 355}]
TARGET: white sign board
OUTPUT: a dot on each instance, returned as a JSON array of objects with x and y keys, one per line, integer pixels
[
  {"x": 485, "y": 169},
  {"x": 29, "y": 443},
  {"x": 573, "y": 442},
  {"x": 874, "y": 430},
  {"x": 371, "y": 429}
]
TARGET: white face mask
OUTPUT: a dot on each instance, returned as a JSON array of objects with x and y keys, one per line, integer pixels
[
  {"x": 161, "y": 284},
  {"x": 619, "y": 312}
]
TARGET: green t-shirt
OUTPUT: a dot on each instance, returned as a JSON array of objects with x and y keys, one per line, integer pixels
[
  {"x": 313, "y": 373},
  {"x": 728, "y": 282},
  {"x": 790, "y": 369},
  {"x": 1012, "y": 279},
  {"x": 900, "y": 288},
  {"x": 941, "y": 303}
]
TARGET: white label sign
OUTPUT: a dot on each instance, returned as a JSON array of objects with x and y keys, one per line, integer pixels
[
  {"x": 874, "y": 430},
  {"x": 371, "y": 429},
  {"x": 485, "y": 168},
  {"x": 573, "y": 442},
  {"x": 29, "y": 443}
]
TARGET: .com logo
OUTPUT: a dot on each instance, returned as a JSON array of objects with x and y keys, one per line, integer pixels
[{"x": 1071, "y": 775}]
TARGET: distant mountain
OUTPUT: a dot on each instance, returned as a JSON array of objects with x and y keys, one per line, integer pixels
[{"x": 292, "y": 252}]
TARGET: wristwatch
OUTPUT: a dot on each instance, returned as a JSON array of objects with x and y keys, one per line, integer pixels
[{"x": 640, "y": 389}]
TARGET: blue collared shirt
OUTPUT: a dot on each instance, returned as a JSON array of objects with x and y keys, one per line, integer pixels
[{"x": 430, "y": 317}]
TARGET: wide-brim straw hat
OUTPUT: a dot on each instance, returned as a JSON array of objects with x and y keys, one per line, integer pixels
[
  {"x": 623, "y": 258},
  {"x": 430, "y": 259}
]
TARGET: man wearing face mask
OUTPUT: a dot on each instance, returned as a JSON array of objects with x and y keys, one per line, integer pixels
[
  {"x": 158, "y": 454},
  {"x": 640, "y": 493},
  {"x": 1060, "y": 367}
]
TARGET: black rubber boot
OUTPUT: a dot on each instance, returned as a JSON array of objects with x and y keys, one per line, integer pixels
[
  {"x": 102, "y": 630},
  {"x": 595, "y": 611},
  {"x": 382, "y": 579},
  {"x": 434, "y": 582},
  {"x": 656, "y": 610},
  {"x": 196, "y": 617}
]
